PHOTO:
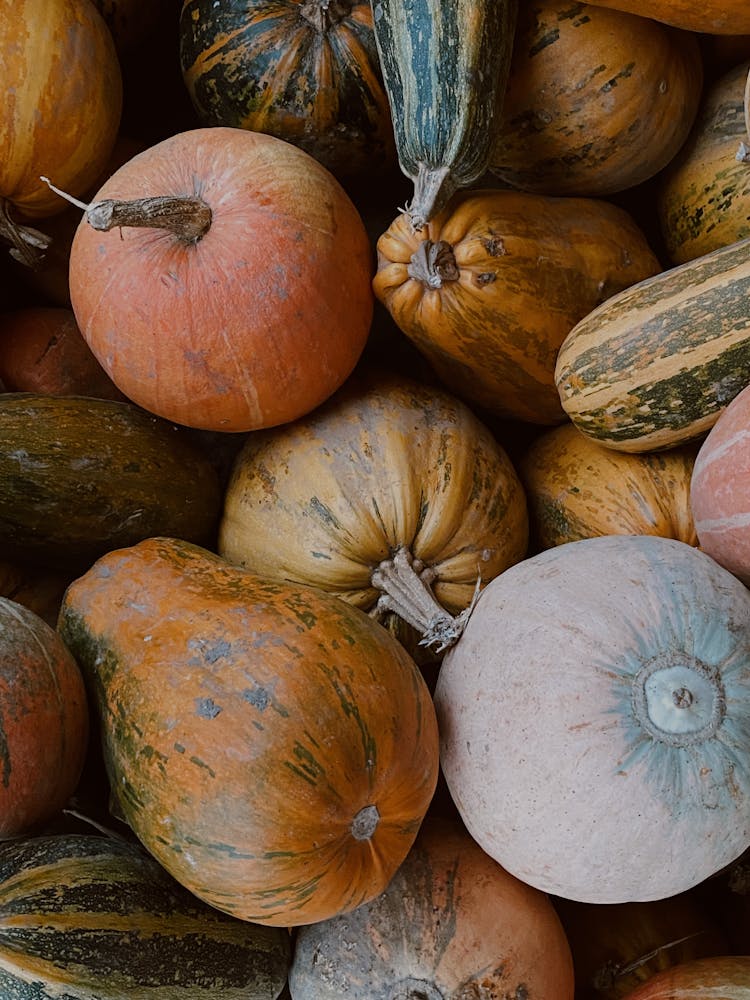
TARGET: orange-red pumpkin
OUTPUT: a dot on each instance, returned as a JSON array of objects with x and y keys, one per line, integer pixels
[
  {"x": 43, "y": 720},
  {"x": 724, "y": 977},
  {"x": 246, "y": 303},
  {"x": 60, "y": 109}
]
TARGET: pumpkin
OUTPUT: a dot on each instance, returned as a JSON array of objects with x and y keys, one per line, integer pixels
[
  {"x": 720, "y": 489},
  {"x": 722, "y": 977},
  {"x": 491, "y": 287},
  {"x": 248, "y": 305},
  {"x": 727, "y": 17},
  {"x": 577, "y": 489},
  {"x": 43, "y": 720},
  {"x": 42, "y": 350},
  {"x": 597, "y": 101},
  {"x": 617, "y": 947},
  {"x": 41, "y": 591},
  {"x": 598, "y": 699},
  {"x": 273, "y": 747},
  {"x": 387, "y": 468},
  {"x": 89, "y": 917},
  {"x": 62, "y": 113},
  {"x": 451, "y": 923},
  {"x": 79, "y": 476},
  {"x": 704, "y": 196},
  {"x": 445, "y": 68},
  {"x": 304, "y": 70},
  {"x": 655, "y": 365}
]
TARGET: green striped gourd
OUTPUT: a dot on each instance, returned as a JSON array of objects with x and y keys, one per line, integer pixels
[
  {"x": 655, "y": 365},
  {"x": 95, "y": 918},
  {"x": 445, "y": 68}
]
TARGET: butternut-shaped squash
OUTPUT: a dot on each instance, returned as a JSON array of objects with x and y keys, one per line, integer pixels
[{"x": 491, "y": 287}]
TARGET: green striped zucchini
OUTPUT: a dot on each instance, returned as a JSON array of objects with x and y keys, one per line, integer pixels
[
  {"x": 93, "y": 918},
  {"x": 655, "y": 364},
  {"x": 445, "y": 68}
]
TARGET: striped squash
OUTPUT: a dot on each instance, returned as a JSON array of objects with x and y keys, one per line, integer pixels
[
  {"x": 445, "y": 68},
  {"x": 95, "y": 918},
  {"x": 655, "y": 365}
]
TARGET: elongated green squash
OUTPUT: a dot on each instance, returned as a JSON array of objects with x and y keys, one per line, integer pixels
[
  {"x": 93, "y": 918},
  {"x": 81, "y": 476},
  {"x": 445, "y": 68},
  {"x": 655, "y": 365}
]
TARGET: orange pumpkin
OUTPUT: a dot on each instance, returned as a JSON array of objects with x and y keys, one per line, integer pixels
[
  {"x": 721, "y": 17},
  {"x": 60, "y": 117},
  {"x": 43, "y": 720},
  {"x": 577, "y": 488},
  {"x": 42, "y": 351},
  {"x": 248, "y": 304},
  {"x": 723, "y": 977},
  {"x": 452, "y": 923},
  {"x": 489, "y": 289},
  {"x": 703, "y": 198},
  {"x": 597, "y": 101},
  {"x": 272, "y": 746}
]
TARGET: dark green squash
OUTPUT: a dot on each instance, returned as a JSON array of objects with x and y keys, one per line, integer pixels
[
  {"x": 445, "y": 67},
  {"x": 306, "y": 71},
  {"x": 80, "y": 476},
  {"x": 93, "y": 918}
]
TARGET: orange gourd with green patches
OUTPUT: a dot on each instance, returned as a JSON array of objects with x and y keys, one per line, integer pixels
[{"x": 273, "y": 747}]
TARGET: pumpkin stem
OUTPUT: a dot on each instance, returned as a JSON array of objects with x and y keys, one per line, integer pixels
[
  {"x": 187, "y": 218},
  {"x": 27, "y": 245},
  {"x": 433, "y": 264},
  {"x": 405, "y": 585},
  {"x": 323, "y": 14},
  {"x": 365, "y": 823},
  {"x": 433, "y": 187}
]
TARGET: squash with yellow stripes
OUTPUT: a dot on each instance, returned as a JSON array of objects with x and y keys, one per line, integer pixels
[{"x": 656, "y": 364}]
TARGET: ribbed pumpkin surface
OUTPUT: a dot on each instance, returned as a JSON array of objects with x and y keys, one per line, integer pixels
[
  {"x": 92, "y": 918},
  {"x": 272, "y": 746}
]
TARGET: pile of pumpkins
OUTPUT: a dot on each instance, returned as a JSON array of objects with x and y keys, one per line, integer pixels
[{"x": 375, "y": 500}]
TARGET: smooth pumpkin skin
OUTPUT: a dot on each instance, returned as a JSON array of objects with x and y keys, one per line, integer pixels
[
  {"x": 594, "y": 719},
  {"x": 302, "y": 70},
  {"x": 251, "y": 729},
  {"x": 577, "y": 489},
  {"x": 61, "y": 116},
  {"x": 518, "y": 272},
  {"x": 720, "y": 17},
  {"x": 703, "y": 199},
  {"x": 617, "y": 947},
  {"x": 258, "y": 321},
  {"x": 44, "y": 720},
  {"x": 42, "y": 350},
  {"x": 597, "y": 101},
  {"x": 387, "y": 462},
  {"x": 720, "y": 489},
  {"x": 451, "y": 924},
  {"x": 725, "y": 977},
  {"x": 89, "y": 917}
]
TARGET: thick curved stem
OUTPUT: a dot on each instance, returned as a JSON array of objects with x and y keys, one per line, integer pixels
[
  {"x": 404, "y": 583},
  {"x": 433, "y": 187},
  {"x": 27, "y": 245}
]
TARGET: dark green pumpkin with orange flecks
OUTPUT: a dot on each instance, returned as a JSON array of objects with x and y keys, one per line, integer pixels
[
  {"x": 306, "y": 71},
  {"x": 272, "y": 746},
  {"x": 96, "y": 918}
]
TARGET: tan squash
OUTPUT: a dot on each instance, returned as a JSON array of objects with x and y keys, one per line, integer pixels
[
  {"x": 577, "y": 488},
  {"x": 389, "y": 483},
  {"x": 597, "y": 101},
  {"x": 721, "y": 17},
  {"x": 703, "y": 200},
  {"x": 490, "y": 288}
]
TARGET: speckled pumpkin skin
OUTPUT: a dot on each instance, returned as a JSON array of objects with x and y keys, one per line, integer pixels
[
  {"x": 44, "y": 720},
  {"x": 452, "y": 923},
  {"x": 599, "y": 699},
  {"x": 273, "y": 747},
  {"x": 720, "y": 489}
]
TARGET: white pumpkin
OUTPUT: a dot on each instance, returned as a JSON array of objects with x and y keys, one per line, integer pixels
[{"x": 595, "y": 719}]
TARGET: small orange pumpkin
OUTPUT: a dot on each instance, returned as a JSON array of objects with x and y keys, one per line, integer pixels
[{"x": 237, "y": 295}]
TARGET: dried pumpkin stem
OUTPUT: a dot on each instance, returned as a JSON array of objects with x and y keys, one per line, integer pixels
[
  {"x": 433, "y": 264},
  {"x": 27, "y": 245},
  {"x": 405, "y": 585},
  {"x": 323, "y": 14},
  {"x": 433, "y": 187}
]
